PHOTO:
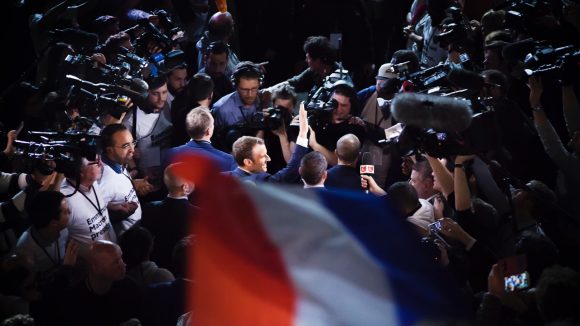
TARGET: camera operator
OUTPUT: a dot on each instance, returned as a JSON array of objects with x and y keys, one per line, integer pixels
[
  {"x": 329, "y": 127},
  {"x": 277, "y": 140},
  {"x": 567, "y": 163},
  {"x": 321, "y": 60},
  {"x": 152, "y": 128},
  {"x": 220, "y": 27},
  {"x": 105, "y": 26},
  {"x": 215, "y": 62},
  {"x": 241, "y": 105},
  {"x": 432, "y": 52}
]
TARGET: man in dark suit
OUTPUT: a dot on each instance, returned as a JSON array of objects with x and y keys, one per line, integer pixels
[
  {"x": 169, "y": 220},
  {"x": 252, "y": 157},
  {"x": 345, "y": 175},
  {"x": 313, "y": 170},
  {"x": 199, "y": 124}
]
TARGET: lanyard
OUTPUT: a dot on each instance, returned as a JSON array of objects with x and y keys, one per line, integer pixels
[
  {"x": 98, "y": 205},
  {"x": 55, "y": 263}
]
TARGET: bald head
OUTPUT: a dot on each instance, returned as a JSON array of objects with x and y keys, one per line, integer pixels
[
  {"x": 221, "y": 25},
  {"x": 106, "y": 262},
  {"x": 347, "y": 149},
  {"x": 176, "y": 186}
]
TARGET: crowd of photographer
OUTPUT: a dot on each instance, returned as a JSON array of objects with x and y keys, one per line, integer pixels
[{"x": 463, "y": 132}]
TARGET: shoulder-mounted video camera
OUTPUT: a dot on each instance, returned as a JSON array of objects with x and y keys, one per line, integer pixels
[{"x": 64, "y": 149}]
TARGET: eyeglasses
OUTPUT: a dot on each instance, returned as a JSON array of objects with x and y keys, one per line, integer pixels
[
  {"x": 127, "y": 145},
  {"x": 248, "y": 90},
  {"x": 97, "y": 162}
]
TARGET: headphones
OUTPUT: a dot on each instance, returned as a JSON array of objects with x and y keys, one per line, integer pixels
[{"x": 246, "y": 69}]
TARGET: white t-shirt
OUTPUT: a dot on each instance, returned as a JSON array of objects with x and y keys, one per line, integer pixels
[
  {"x": 118, "y": 188},
  {"x": 89, "y": 219}
]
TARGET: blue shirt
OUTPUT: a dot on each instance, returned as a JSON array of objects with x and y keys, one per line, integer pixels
[
  {"x": 230, "y": 111},
  {"x": 118, "y": 168}
]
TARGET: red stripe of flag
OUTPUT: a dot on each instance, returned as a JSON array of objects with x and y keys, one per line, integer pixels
[{"x": 239, "y": 274}]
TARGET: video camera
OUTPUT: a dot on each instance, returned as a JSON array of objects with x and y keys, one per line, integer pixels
[
  {"x": 457, "y": 32},
  {"x": 94, "y": 100},
  {"x": 320, "y": 102},
  {"x": 550, "y": 62},
  {"x": 423, "y": 80},
  {"x": 64, "y": 149},
  {"x": 525, "y": 7},
  {"x": 85, "y": 68},
  {"x": 269, "y": 119},
  {"x": 154, "y": 35}
]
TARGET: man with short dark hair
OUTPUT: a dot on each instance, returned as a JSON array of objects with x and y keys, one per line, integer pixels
[
  {"x": 219, "y": 28},
  {"x": 45, "y": 240},
  {"x": 239, "y": 106},
  {"x": 345, "y": 175},
  {"x": 252, "y": 157},
  {"x": 328, "y": 128},
  {"x": 313, "y": 170},
  {"x": 176, "y": 81},
  {"x": 321, "y": 60},
  {"x": 118, "y": 149},
  {"x": 417, "y": 211},
  {"x": 215, "y": 62},
  {"x": 200, "y": 126},
  {"x": 422, "y": 180},
  {"x": 151, "y": 126}
]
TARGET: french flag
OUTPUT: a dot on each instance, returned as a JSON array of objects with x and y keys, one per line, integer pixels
[{"x": 271, "y": 255}]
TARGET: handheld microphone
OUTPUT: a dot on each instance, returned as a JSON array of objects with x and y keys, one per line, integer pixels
[
  {"x": 431, "y": 111},
  {"x": 367, "y": 167}
]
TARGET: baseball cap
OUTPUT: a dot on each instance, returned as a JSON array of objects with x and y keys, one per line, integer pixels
[{"x": 386, "y": 71}]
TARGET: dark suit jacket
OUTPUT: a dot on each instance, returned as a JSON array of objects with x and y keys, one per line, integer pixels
[
  {"x": 225, "y": 161},
  {"x": 289, "y": 174},
  {"x": 168, "y": 220},
  {"x": 343, "y": 177}
]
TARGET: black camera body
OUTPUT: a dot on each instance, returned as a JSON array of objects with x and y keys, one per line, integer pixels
[
  {"x": 152, "y": 34},
  {"x": 457, "y": 32},
  {"x": 429, "y": 78},
  {"x": 320, "y": 103},
  {"x": 85, "y": 68},
  {"x": 64, "y": 149},
  {"x": 93, "y": 105},
  {"x": 269, "y": 119},
  {"x": 553, "y": 63}
]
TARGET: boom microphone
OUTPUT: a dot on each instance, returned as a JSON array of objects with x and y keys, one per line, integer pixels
[
  {"x": 518, "y": 50},
  {"x": 430, "y": 111}
]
